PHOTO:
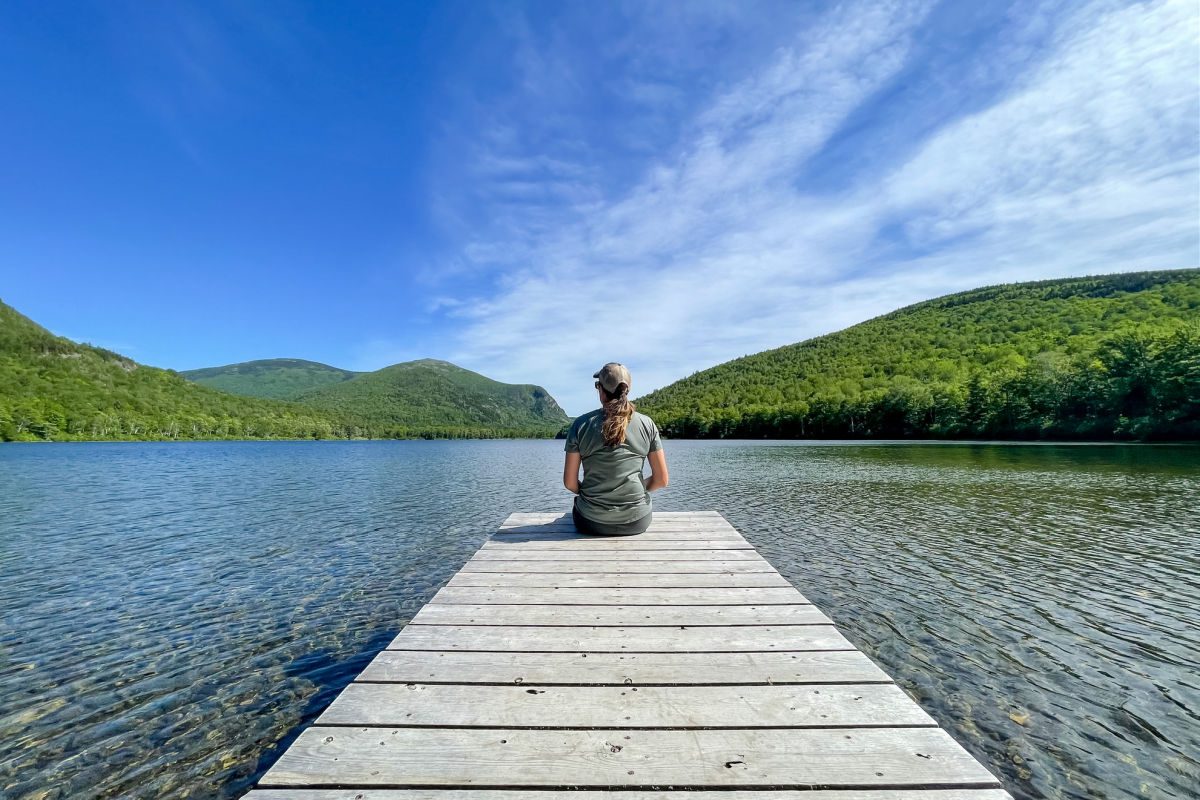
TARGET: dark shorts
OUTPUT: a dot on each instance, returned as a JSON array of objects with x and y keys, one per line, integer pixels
[{"x": 585, "y": 525}]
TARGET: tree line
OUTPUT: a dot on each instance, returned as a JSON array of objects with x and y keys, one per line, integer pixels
[{"x": 1133, "y": 386}]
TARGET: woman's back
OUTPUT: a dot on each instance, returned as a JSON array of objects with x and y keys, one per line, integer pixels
[{"x": 612, "y": 490}]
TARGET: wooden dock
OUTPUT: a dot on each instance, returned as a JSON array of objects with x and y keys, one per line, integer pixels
[{"x": 679, "y": 659}]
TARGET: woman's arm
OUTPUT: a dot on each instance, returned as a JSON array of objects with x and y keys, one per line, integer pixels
[
  {"x": 658, "y": 471},
  {"x": 571, "y": 472}
]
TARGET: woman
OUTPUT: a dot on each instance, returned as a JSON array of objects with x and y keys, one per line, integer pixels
[{"x": 612, "y": 443}]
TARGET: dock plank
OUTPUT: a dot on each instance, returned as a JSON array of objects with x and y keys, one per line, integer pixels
[
  {"x": 621, "y": 580},
  {"x": 631, "y": 596},
  {"x": 655, "y": 527},
  {"x": 784, "y": 758},
  {"x": 604, "y": 544},
  {"x": 617, "y": 669},
  {"x": 708, "y": 639},
  {"x": 538, "y": 533},
  {"x": 435, "y": 613},
  {"x": 630, "y": 567},
  {"x": 437, "y": 705},
  {"x": 620, "y": 555}
]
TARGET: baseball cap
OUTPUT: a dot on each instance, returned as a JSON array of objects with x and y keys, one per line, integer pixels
[{"x": 611, "y": 375}]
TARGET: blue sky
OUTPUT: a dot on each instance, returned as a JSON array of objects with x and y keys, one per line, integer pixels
[{"x": 531, "y": 190}]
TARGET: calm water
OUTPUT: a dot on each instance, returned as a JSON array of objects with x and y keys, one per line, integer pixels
[{"x": 172, "y": 614}]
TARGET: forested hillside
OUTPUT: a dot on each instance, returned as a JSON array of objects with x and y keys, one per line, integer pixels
[
  {"x": 1114, "y": 356},
  {"x": 52, "y": 388},
  {"x": 275, "y": 378},
  {"x": 429, "y": 393}
]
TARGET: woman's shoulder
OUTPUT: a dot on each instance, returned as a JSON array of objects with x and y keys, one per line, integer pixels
[
  {"x": 643, "y": 419},
  {"x": 583, "y": 419}
]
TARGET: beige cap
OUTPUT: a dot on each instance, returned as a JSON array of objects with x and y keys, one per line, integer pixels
[{"x": 612, "y": 375}]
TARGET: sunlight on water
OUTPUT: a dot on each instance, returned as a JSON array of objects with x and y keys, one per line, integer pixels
[{"x": 172, "y": 614}]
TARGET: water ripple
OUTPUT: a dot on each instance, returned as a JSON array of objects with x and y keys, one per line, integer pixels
[{"x": 171, "y": 615}]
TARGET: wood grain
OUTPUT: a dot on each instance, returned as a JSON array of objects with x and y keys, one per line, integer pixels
[
  {"x": 619, "y": 580},
  {"x": 818, "y": 706},
  {"x": 616, "y": 669},
  {"x": 708, "y": 639},
  {"x": 435, "y": 613},
  {"x": 787, "y": 758},
  {"x": 644, "y": 595}
]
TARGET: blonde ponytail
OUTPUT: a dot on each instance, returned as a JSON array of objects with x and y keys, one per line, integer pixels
[{"x": 618, "y": 410}]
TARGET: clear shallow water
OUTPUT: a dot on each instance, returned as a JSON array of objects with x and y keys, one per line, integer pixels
[{"x": 172, "y": 614}]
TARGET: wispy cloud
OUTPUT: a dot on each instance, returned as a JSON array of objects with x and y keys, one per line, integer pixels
[{"x": 1087, "y": 162}]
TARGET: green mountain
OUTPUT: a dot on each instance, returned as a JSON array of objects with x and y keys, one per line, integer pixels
[
  {"x": 1115, "y": 356},
  {"x": 275, "y": 378},
  {"x": 54, "y": 388},
  {"x": 430, "y": 393}
]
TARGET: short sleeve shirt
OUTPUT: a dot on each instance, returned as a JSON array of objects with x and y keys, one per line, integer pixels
[{"x": 612, "y": 491}]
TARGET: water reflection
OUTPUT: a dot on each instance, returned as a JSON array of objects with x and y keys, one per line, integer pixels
[{"x": 172, "y": 614}]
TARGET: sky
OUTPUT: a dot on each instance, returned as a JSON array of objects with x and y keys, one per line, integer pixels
[{"x": 531, "y": 190}]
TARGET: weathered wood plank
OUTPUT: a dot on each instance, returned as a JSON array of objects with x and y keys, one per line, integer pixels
[
  {"x": 615, "y": 640},
  {"x": 605, "y": 544},
  {"x": 786, "y": 758},
  {"x": 442, "y": 666},
  {"x": 645, "y": 595},
  {"x": 618, "y": 580},
  {"x": 622, "y": 555},
  {"x": 657, "y": 525},
  {"x": 542, "y": 516},
  {"x": 538, "y": 533},
  {"x": 630, "y": 567},
  {"x": 518, "y": 614},
  {"x": 439, "y": 705},
  {"x": 658, "y": 521},
  {"x": 595, "y": 794},
  {"x": 659, "y": 518}
]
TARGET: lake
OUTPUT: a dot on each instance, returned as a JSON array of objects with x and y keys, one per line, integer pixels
[{"x": 172, "y": 614}]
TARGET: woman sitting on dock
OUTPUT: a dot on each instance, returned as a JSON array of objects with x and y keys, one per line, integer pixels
[{"x": 612, "y": 444}]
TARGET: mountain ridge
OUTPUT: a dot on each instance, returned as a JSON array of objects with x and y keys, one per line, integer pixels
[
  {"x": 421, "y": 392},
  {"x": 275, "y": 378},
  {"x": 52, "y": 388},
  {"x": 1105, "y": 356}
]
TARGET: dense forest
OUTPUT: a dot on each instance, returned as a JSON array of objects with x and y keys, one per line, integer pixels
[
  {"x": 275, "y": 378},
  {"x": 52, "y": 388},
  {"x": 430, "y": 393},
  {"x": 1110, "y": 357},
  {"x": 411, "y": 396}
]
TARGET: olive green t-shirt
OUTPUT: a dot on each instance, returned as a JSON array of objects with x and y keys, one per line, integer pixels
[{"x": 612, "y": 491}]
